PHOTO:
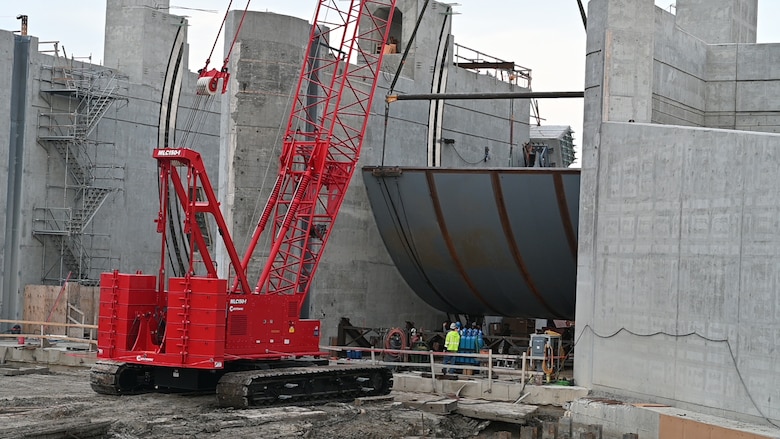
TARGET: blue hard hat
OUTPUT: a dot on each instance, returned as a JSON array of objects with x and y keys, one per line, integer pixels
[{"x": 457, "y": 324}]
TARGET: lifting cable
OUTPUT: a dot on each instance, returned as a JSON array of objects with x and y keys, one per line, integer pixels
[
  {"x": 196, "y": 118},
  {"x": 211, "y": 82},
  {"x": 398, "y": 75},
  {"x": 219, "y": 32}
]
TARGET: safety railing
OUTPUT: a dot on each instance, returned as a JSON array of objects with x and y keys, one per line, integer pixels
[
  {"x": 488, "y": 365},
  {"x": 42, "y": 337}
]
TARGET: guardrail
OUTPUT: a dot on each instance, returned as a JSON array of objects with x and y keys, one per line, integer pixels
[
  {"x": 489, "y": 363},
  {"x": 42, "y": 336}
]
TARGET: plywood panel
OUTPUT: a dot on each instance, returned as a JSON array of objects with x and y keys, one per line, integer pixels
[
  {"x": 673, "y": 427},
  {"x": 670, "y": 427},
  {"x": 39, "y": 302}
]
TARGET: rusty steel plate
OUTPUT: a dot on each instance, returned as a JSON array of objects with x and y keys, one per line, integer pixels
[{"x": 497, "y": 242}]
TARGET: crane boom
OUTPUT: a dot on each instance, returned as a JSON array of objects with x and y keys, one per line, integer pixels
[{"x": 322, "y": 143}]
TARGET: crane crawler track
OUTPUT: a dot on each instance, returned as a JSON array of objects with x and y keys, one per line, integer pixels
[
  {"x": 115, "y": 378},
  {"x": 287, "y": 386}
]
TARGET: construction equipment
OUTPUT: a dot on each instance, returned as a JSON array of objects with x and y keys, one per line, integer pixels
[
  {"x": 545, "y": 353},
  {"x": 196, "y": 331}
]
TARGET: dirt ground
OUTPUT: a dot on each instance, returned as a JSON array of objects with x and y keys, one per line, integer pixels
[{"x": 34, "y": 405}]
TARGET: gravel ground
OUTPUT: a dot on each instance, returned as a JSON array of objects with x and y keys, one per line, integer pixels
[{"x": 37, "y": 404}]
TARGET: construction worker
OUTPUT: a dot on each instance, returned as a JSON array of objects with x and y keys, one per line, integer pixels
[
  {"x": 15, "y": 330},
  {"x": 451, "y": 343}
]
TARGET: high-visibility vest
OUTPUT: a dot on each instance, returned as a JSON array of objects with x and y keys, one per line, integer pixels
[{"x": 452, "y": 341}]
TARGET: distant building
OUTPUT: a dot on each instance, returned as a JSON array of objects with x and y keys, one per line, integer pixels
[{"x": 551, "y": 146}]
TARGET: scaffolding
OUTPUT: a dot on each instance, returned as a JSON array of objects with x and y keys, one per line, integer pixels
[
  {"x": 83, "y": 171},
  {"x": 505, "y": 71}
]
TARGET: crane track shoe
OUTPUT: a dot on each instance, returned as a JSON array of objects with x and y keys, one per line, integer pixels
[{"x": 288, "y": 386}]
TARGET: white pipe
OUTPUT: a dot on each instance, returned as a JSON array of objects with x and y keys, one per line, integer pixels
[
  {"x": 490, "y": 370},
  {"x": 433, "y": 372},
  {"x": 523, "y": 368}
]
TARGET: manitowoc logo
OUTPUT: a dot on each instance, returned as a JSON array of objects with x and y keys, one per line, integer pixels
[{"x": 168, "y": 152}]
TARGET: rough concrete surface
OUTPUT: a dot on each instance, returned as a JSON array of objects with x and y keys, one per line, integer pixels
[{"x": 63, "y": 402}]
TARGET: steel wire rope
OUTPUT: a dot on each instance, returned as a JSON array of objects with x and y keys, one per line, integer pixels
[
  {"x": 216, "y": 40},
  {"x": 177, "y": 233},
  {"x": 196, "y": 116},
  {"x": 688, "y": 334},
  {"x": 200, "y": 119},
  {"x": 397, "y": 75},
  {"x": 197, "y": 112},
  {"x": 235, "y": 36}
]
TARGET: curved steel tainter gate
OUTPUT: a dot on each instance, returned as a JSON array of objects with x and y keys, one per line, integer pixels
[{"x": 497, "y": 242}]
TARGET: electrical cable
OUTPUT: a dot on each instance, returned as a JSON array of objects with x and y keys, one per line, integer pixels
[
  {"x": 689, "y": 334},
  {"x": 464, "y": 159}
]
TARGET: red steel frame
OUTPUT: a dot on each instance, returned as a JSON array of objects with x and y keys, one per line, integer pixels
[{"x": 198, "y": 320}]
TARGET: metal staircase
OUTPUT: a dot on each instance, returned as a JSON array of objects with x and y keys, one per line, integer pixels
[{"x": 78, "y": 99}]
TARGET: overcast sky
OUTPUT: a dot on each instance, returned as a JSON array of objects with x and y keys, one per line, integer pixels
[{"x": 546, "y": 36}]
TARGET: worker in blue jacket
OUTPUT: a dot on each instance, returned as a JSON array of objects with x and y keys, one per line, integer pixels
[{"x": 451, "y": 343}]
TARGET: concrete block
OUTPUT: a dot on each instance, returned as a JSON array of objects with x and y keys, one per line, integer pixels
[
  {"x": 589, "y": 431},
  {"x": 565, "y": 427},
  {"x": 529, "y": 433},
  {"x": 553, "y": 395},
  {"x": 549, "y": 430},
  {"x": 595, "y": 430},
  {"x": 439, "y": 407},
  {"x": 496, "y": 411}
]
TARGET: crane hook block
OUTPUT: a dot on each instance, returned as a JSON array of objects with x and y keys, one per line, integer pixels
[{"x": 211, "y": 82}]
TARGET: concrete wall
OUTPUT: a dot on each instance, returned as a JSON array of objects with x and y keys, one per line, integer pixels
[
  {"x": 136, "y": 36},
  {"x": 677, "y": 297},
  {"x": 356, "y": 277},
  {"x": 679, "y": 80},
  {"x": 121, "y": 147},
  {"x": 719, "y": 21},
  {"x": 710, "y": 85},
  {"x": 6, "y": 66},
  {"x": 11, "y": 169},
  {"x": 741, "y": 81},
  {"x": 685, "y": 306}
]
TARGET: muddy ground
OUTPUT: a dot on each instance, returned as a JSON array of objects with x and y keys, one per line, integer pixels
[{"x": 61, "y": 401}]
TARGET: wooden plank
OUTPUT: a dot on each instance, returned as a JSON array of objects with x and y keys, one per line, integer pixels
[
  {"x": 14, "y": 371},
  {"x": 59, "y": 429},
  {"x": 52, "y": 324}
]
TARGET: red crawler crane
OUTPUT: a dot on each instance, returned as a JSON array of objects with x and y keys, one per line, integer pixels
[{"x": 202, "y": 332}]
